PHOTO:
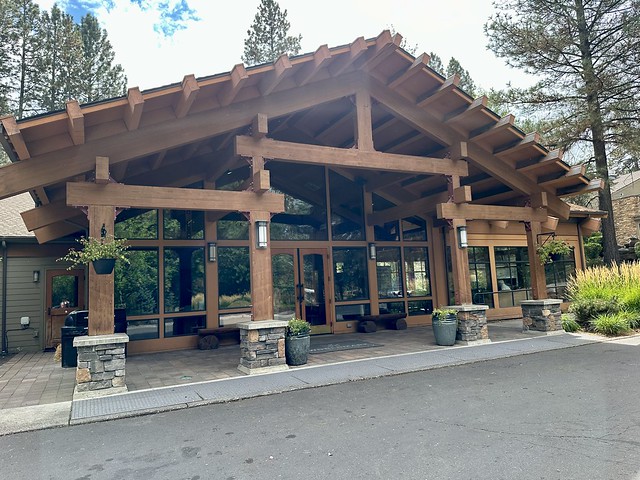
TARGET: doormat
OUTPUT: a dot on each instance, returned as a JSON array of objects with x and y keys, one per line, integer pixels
[{"x": 344, "y": 345}]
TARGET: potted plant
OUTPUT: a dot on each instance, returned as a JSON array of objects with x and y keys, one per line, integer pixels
[
  {"x": 297, "y": 342},
  {"x": 552, "y": 250},
  {"x": 444, "y": 322},
  {"x": 101, "y": 252}
]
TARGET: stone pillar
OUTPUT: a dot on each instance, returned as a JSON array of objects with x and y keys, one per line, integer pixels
[
  {"x": 472, "y": 324},
  {"x": 262, "y": 346},
  {"x": 542, "y": 315},
  {"x": 101, "y": 365}
]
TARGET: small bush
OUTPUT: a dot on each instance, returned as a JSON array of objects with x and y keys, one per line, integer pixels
[
  {"x": 586, "y": 310},
  {"x": 612, "y": 324},
  {"x": 569, "y": 323}
]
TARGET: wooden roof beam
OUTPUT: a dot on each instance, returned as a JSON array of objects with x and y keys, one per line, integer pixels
[
  {"x": 447, "y": 86},
  {"x": 61, "y": 229},
  {"x": 75, "y": 122},
  {"x": 590, "y": 225},
  {"x": 458, "y": 116},
  {"x": 420, "y": 206},
  {"x": 341, "y": 63},
  {"x": 47, "y": 215},
  {"x": 530, "y": 140},
  {"x": 452, "y": 211},
  {"x": 281, "y": 70},
  {"x": 594, "y": 185},
  {"x": 414, "y": 69},
  {"x": 239, "y": 76},
  {"x": 187, "y": 96},
  {"x": 385, "y": 180},
  {"x": 505, "y": 123},
  {"x": 321, "y": 57},
  {"x": 363, "y": 129},
  {"x": 533, "y": 164},
  {"x": 133, "y": 109},
  {"x": 576, "y": 172},
  {"x": 334, "y": 126},
  {"x": 12, "y": 130},
  {"x": 386, "y": 44},
  {"x": 347, "y": 158}
]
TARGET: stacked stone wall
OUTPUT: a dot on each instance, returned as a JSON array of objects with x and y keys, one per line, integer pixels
[{"x": 626, "y": 215}]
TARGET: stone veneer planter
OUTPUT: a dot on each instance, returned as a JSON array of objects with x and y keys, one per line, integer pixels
[
  {"x": 101, "y": 365},
  {"x": 262, "y": 346},
  {"x": 542, "y": 315},
  {"x": 472, "y": 324}
]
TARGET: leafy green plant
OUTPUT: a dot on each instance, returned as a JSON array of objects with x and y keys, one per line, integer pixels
[
  {"x": 551, "y": 248},
  {"x": 569, "y": 323},
  {"x": 298, "y": 327},
  {"x": 586, "y": 310},
  {"x": 96, "y": 249},
  {"x": 441, "y": 314},
  {"x": 612, "y": 324}
]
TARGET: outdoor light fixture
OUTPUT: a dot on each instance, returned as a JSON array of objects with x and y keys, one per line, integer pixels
[
  {"x": 372, "y": 251},
  {"x": 462, "y": 237},
  {"x": 36, "y": 276},
  {"x": 261, "y": 234},
  {"x": 212, "y": 251}
]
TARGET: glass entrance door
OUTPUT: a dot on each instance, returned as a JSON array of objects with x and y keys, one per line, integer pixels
[
  {"x": 65, "y": 293},
  {"x": 300, "y": 279}
]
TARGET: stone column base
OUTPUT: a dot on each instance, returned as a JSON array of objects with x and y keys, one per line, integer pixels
[
  {"x": 101, "y": 365},
  {"x": 472, "y": 324},
  {"x": 542, "y": 316},
  {"x": 262, "y": 346}
]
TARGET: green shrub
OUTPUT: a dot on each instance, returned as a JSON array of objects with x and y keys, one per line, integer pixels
[
  {"x": 586, "y": 310},
  {"x": 613, "y": 324},
  {"x": 569, "y": 323},
  {"x": 297, "y": 327}
]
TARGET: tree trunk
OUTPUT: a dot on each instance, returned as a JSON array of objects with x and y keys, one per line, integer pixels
[{"x": 609, "y": 243}]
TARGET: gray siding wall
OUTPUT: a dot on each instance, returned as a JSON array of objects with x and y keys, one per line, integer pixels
[{"x": 26, "y": 299}]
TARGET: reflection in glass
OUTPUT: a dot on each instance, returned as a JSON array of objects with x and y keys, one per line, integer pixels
[
  {"x": 143, "y": 329},
  {"x": 392, "y": 307},
  {"x": 184, "y": 279},
  {"x": 346, "y": 313},
  {"x": 64, "y": 291},
  {"x": 313, "y": 282},
  {"x": 389, "y": 272},
  {"x": 347, "y": 208},
  {"x": 137, "y": 224},
  {"x": 350, "y": 273},
  {"x": 414, "y": 229},
  {"x": 557, "y": 274},
  {"x": 183, "y": 225},
  {"x": 180, "y": 326},
  {"x": 416, "y": 265},
  {"x": 233, "y": 226},
  {"x": 136, "y": 284},
  {"x": 480, "y": 273},
  {"x": 390, "y": 231},
  {"x": 420, "y": 307},
  {"x": 234, "y": 279},
  {"x": 512, "y": 274},
  {"x": 284, "y": 288}
]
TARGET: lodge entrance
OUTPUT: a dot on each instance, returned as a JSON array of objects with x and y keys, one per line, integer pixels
[
  {"x": 300, "y": 281},
  {"x": 65, "y": 293}
]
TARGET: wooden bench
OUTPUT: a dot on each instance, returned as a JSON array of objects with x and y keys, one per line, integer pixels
[
  {"x": 392, "y": 321},
  {"x": 211, "y": 338}
]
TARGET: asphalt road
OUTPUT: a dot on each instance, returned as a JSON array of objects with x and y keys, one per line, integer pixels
[{"x": 563, "y": 414}]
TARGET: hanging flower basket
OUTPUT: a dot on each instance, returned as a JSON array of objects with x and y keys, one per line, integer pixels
[
  {"x": 553, "y": 250},
  {"x": 104, "y": 266},
  {"x": 101, "y": 252}
]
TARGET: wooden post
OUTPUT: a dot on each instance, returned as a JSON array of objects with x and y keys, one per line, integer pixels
[
  {"x": 261, "y": 272},
  {"x": 460, "y": 265},
  {"x": 100, "y": 286},
  {"x": 538, "y": 279}
]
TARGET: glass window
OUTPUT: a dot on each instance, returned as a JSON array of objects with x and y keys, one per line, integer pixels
[
  {"x": 284, "y": 286},
  {"x": 234, "y": 279},
  {"x": 557, "y": 274},
  {"x": 183, "y": 225},
  {"x": 233, "y": 226},
  {"x": 184, "y": 279},
  {"x": 416, "y": 266},
  {"x": 389, "y": 272},
  {"x": 64, "y": 290},
  {"x": 480, "y": 273},
  {"x": 347, "y": 208},
  {"x": 420, "y": 307},
  {"x": 350, "y": 273},
  {"x": 226, "y": 319},
  {"x": 143, "y": 329},
  {"x": 137, "y": 224},
  {"x": 305, "y": 202},
  {"x": 347, "y": 313},
  {"x": 136, "y": 284},
  {"x": 513, "y": 275},
  {"x": 390, "y": 231},
  {"x": 392, "y": 307},
  {"x": 180, "y": 326},
  {"x": 414, "y": 229}
]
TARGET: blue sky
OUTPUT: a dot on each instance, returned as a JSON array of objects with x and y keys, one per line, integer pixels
[{"x": 158, "y": 42}]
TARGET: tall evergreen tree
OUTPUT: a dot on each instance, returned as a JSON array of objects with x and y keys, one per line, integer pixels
[
  {"x": 268, "y": 37},
  {"x": 25, "y": 50},
  {"x": 101, "y": 78},
  {"x": 466, "y": 82},
  {"x": 587, "y": 54}
]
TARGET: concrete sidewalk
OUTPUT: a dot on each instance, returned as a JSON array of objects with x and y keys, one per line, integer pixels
[{"x": 155, "y": 400}]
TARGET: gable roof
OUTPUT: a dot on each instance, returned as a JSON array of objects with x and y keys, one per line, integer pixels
[{"x": 308, "y": 99}]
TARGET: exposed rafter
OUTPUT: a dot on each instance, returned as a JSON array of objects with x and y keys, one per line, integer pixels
[
  {"x": 75, "y": 122},
  {"x": 281, "y": 70},
  {"x": 321, "y": 58},
  {"x": 133, "y": 109}
]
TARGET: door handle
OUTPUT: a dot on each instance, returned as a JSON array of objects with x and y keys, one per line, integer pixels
[{"x": 300, "y": 287}]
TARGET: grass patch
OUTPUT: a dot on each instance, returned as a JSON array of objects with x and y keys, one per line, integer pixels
[
  {"x": 569, "y": 323},
  {"x": 612, "y": 324}
]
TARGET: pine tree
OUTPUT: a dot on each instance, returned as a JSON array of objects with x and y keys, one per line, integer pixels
[
  {"x": 100, "y": 77},
  {"x": 466, "y": 82},
  {"x": 24, "y": 29},
  {"x": 267, "y": 38},
  {"x": 435, "y": 62},
  {"x": 587, "y": 54}
]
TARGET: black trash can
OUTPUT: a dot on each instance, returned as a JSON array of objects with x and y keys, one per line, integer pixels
[{"x": 69, "y": 353}]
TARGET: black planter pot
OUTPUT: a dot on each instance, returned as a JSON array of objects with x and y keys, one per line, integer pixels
[
  {"x": 555, "y": 257},
  {"x": 296, "y": 349},
  {"x": 104, "y": 266},
  {"x": 444, "y": 330}
]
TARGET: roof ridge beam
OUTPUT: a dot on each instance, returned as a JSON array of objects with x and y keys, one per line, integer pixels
[
  {"x": 75, "y": 122},
  {"x": 281, "y": 69},
  {"x": 321, "y": 57},
  {"x": 434, "y": 95},
  {"x": 187, "y": 96},
  {"x": 133, "y": 109},
  {"x": 418, "y": 65}
]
